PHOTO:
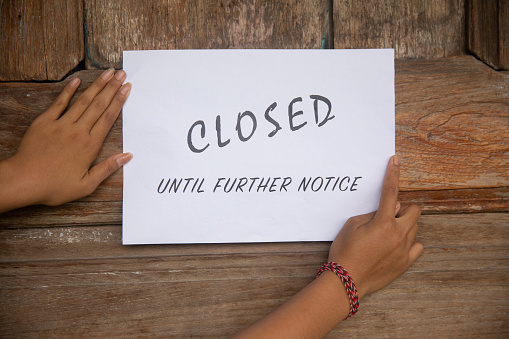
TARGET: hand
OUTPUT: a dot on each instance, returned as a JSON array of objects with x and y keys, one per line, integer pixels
[
  {"x": 53, "y": 162},
  {"x": 377, "y": 247},
  {"x": 374, "y": 248}
]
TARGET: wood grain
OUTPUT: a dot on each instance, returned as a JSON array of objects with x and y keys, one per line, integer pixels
[
  {"x": 112, "y": 27},
  {"x": 443, "y": 303},
  {"x": 488, "y": 31},
  {"x": 40, "y": 40},
  {"x": 452, "y": 119},
  {"x": 93, "y": 212},
  {"x": 105, "y": 242},
  {"x": 452, "y": 124},
  {"x": 64, "y": 272},
  {"x": 81, "y": 281},
  {"x": 415, "y": 29}
]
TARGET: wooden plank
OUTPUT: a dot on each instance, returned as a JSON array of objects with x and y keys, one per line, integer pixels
[
  {"x": 503, "y": 34},
  {"x": 448, "y": 111},
  {"x": 452, "y": 123},
  {"x": 218, "y": 267},
  {"x": 93, "y": 211},
  {"x": 443, "y": 303},
  {"x": 203, "y": 24},
  {"x": 459, "y": 200},
  {"x": 213, "y": 310},
  {"x": 488, "y": 31},
  {"x": 105, "y": 242},
  {"x": 161, "y": 290},
  {"x": 437, "y": 304},
  {"x": 454, "y": 119},
  {"x": 415, "y": 29},
  {"x": 40, "y": 40}
]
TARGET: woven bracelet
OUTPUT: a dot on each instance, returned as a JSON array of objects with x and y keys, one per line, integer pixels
[{"x": 353, "y": 296}]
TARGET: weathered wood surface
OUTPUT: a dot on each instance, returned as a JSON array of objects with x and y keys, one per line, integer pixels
[
  {"x": 40, "y": 40},
  {"x": 89, "y": 212},
  {"x": 488, "y": 31},
  {"x": 452, "y": 132},
  {"x": 81, "y": 282},
  {"x": 64, "y": 272},
  {"x": 415, "y": 29},
  {"x": 452, "y": 124},
  {"x": 105, "y": 242},
  {"x": 202, "y": 24}
]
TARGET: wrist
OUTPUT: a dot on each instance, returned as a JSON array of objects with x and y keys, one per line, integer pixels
[
  {"x": 347, "y": 282},
  {"x": 353, "y": 271},
  {"x": 15, "y": 190},
  {"x": 335, "y": 293}
]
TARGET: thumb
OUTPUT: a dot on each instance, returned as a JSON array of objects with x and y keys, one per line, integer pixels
[{"x": 107, "y": 167}]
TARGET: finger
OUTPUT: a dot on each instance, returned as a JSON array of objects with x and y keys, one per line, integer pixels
[
  {"x": 398, "y": 208},
  {"x": 409, "y": 215},
  {"x": 106, "y": 121},
  {"x": 85, "y": 99},
  {"x": 363, "y": 218},
  {"x": 415, "y": 252},
  {"x": 412, "y": 233},
  {"x": 102, "y": 101},
  {"x": 60, "y": 104},
  {"x": 390, "y": 189},
  {"x": 105, "y": 168}
]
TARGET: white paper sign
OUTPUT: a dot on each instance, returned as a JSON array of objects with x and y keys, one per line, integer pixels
[{"x": 254, "y": 145}]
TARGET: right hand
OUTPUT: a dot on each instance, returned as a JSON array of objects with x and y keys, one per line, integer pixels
[{"x": 378, "y": 247}]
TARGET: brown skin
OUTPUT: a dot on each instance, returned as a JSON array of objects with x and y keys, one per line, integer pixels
[
  {"x": 374, "y": 248},
  {"x": 53, "y": 163},
  {"x": 377, "y": 247}
]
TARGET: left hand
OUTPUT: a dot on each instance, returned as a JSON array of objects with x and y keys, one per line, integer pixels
[{"x": 53, "y": 162}]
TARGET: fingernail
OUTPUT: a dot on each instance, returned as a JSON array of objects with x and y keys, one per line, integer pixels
[
  {"x": 125, "y": 89},
  {"x": 120, "y": 75},
  {"x": 74, "y": 82},
  {"x": 124, "y": 159},
  {"x": 107, "y": 74},
  {"x": 396, "y": 160}
]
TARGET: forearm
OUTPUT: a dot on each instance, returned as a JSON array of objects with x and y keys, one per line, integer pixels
[{"x": 311, "y": 313}]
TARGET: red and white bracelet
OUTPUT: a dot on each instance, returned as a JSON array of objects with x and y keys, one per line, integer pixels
[{"x": 347, "y": 281}]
